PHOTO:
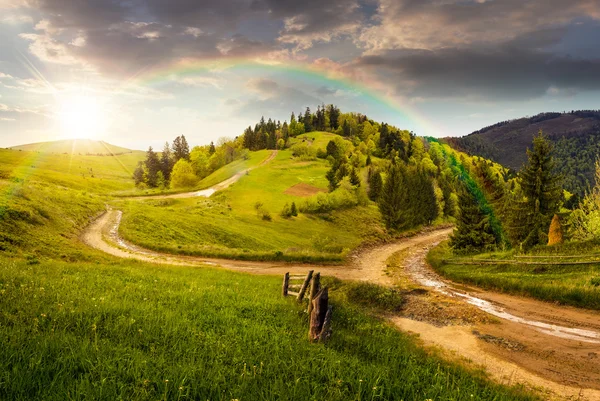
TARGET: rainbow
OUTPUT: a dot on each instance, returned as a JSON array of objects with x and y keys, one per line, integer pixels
[{"x": 368, "y": 90}]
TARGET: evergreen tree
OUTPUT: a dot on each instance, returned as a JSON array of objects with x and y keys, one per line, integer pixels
[
  {"x": 138, "y": 173},
  {"x": 346, "y": 129},
  {"x": 166, "y": 162},
  {"x": 181, "y": 149},
  {"x": 211, "y": 148},
  {"x": 473, "y": 232},
  {"x": 334, "y": 116},
  {"x": 541, "y": 194},
  {"x": 152, "y": 168},
  {"x": 375, "y": 185},
  {"x": 354, "y": 178},
  {"x": 331, "y": 176},
  {"x": 308, "y": 121},
  {"x": 369, "y": 161},
  {"x": 392, "y": 199},
  {"x": 294, "y": 209},
  {"x": 333, "y": 150}
]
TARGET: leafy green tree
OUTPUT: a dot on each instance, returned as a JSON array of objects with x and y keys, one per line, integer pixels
[
  {"x": 542, "y": 195},
  {"x": 375, "y": 185},
  {"x": 183, "y": 175},
  {"x": 473, "y": 232}
]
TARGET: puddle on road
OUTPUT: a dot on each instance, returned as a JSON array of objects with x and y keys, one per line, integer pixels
[
  {"x": 205, "y": 192},
  {"x": 426, "y": 277}
]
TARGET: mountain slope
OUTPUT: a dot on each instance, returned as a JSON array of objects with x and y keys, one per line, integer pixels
[
  {"x": 576, "y": 137},
  {"x": 75, "y": 146}
]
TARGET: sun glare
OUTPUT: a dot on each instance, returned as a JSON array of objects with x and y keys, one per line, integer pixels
[{"x": 81, "y": 116}]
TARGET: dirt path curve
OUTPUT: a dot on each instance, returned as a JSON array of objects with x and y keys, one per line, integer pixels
[{"x": 209, "y": 191}]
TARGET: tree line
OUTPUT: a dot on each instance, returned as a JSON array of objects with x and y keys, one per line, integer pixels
[{"x": 179, "y": 167}]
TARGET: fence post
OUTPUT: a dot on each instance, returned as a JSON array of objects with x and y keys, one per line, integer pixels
[
  {"x": 326, "y": 330},
  {"x": 317, "y": 316},
  {"x": 314, "y": 288},
  {"x": 286, "y": 282},
  {"x": 305, "y": 286}
]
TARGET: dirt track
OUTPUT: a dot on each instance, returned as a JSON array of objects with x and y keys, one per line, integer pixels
[{"x": 442, "y": 314}]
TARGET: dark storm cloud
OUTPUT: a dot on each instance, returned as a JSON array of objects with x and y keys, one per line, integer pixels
[{"x": 509, "y": 73}]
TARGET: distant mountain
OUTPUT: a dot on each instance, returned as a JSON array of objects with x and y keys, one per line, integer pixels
[
  {"x": 75, "y": 146},
  {"x": 576, "y": 138}
]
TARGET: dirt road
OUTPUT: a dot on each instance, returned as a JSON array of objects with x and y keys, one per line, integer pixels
[{"x": 552, "y": 349}]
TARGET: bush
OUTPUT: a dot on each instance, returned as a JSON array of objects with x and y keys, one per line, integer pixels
[
  {"x": 304, "y": 152},
  {"x": 266, "y": 216},
  {"x": 341, "y": 198},
  {"x": 183, "y": 175}
]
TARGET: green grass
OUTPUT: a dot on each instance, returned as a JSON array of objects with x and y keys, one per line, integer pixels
[
  {"x": 227, "y": 224},
  {"x": 74, "y": 146},
  {"x": 567, "y": 284},
  {"x": 127, "y": 330}
]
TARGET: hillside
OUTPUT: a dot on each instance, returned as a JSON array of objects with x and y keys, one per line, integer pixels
[
  {"x": 74, "y": 146},
  {"x": 576, "y": 137}
]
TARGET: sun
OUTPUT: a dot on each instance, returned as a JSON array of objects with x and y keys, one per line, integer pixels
[{"x": 81, "y": 116}]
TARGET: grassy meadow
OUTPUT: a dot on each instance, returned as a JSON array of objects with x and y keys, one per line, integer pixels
[
  {"x": 127, "y": 330},
  {"x": 537, "y": 274},
  {"x": 229, "y": 225},
  {"x": 79, "y": 324}
]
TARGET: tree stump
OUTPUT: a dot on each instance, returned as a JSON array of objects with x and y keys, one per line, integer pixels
[{"x": 320, "y": 306}]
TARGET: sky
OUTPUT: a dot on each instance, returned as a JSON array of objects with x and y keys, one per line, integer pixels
[{"x": 138, "y": 73}]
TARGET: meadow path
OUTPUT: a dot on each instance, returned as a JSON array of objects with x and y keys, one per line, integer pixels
[{"x": 550, "y": 348}]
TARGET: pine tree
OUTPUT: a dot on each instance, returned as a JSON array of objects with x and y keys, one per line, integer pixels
[
  {"x": 541, "y": 191},
  {"x": 331, "y": 176},
  {"x": 294, "y": 209},
  {"x": 308, "y": 121},
  {"x": 369, "y": 161},
  {"x": 152, "y": 167},
  {"x": 392, "y": 199},
  {"x": 354, "y": 178},
  {"x": 181, "y": 149},
  {"x": 473, "y": 232},
  {"x": 211, "y": 148},
  {"x": 375, "y": 185},
  {"x": 138, "y": 173},
  {"x": 166, "y": 162}
]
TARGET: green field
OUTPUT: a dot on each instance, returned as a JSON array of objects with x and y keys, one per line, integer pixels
[
  {"x": 75, "y": 146},
  {"x": 539, "y": 275},
  {"x": 76, "y": 323},
  {"x": 126, "y": 330},
  {"x": 228, "y": 225}
]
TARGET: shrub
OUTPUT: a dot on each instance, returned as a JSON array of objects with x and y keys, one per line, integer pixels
[
  {"x": 342, "y": 198},
  {"x": 266, "y": 216},
  {"x": 304, "y": 152},
  {"x": 286, "y": 212},
  {"x": 183, "y": 175}
]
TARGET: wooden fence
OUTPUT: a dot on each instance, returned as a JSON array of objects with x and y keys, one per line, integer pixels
[{"x": 319, "y": 310}]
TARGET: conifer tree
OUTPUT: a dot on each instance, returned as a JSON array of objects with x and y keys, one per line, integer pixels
[
  {"x": 294, "y": 209},
  {"x": 375, "y": 185},
  {"x": 211, "y": 148},
  {"x": 354, "y": 178},
  {"x": 331, "y": 176},
  {"x": 138, "y": 173},
  {"x": 541, "y": 195},
  {"x": 166, "y": 162},
  {"x": 473, "y": 232},
  {"x": 392, "y": 199},
  {"x": 308, "y": 121},
  {"x": 152, "y": 167}
]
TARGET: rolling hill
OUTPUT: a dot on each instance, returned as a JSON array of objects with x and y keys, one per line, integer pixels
[
  {"x": 575, "y": 134},
  {"x": 74, "y": 146}
]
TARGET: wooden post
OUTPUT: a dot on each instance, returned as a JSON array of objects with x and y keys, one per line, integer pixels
[
  {"x": 317, "y": 316},
  {"x": 326, "y": 330},
  {"x": 314, "y": 288},
  {"x": 304, "y": 286},
  {"x": 286, "y": 282}
]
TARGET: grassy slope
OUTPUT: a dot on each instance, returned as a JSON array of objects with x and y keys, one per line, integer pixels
[
  {"x": 134, "y": 331},
  {"x": 577, "y": 285},
  {"x": 75, "y": 323},
  {"x": 76, "y": 146},
  {"x": 46, "y": 198},
  {"x": 227, "y": 225}
]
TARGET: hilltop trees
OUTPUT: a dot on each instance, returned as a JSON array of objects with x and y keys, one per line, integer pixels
[{"x": 156, "y": 171}]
